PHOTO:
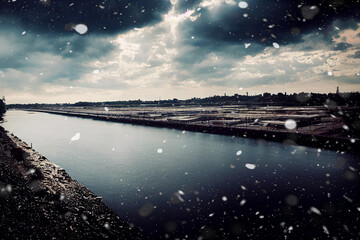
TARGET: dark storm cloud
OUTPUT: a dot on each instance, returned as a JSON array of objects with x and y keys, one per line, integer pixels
[
  {"x": 356, "y": 55},
  {"x": 343, "y": 46},
  {"x": 16, "y": 48},
  {"x": 332, "y": 31},
  {"x": 111, "y": 16},
  {"x": 268, "y": 21}
]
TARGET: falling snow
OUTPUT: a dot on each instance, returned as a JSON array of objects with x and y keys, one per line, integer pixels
[
  {"x": 290, "y": 124},
  {"x": 315, "y": 210},
  {"x": 107, "y": 225},
  {"x": 276, "y": 45},
  {"x": 250, "y": 166},
  {"x": 75, "y": 137},
  {"x": 8, "y": 188},
  {"x": 243, "y": 4},
  {"x": 325, "y": 230},
  {"x": 81, "y": 28}
]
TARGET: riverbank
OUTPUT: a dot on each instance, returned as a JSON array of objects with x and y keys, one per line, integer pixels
[
  {"x": 292, "y": 137},
  {"x": 39, "y": 200}
]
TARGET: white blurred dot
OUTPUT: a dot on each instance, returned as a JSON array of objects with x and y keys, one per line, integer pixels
[
  {"x": 315, "y": 210},
  {"x": 31, "y": 171},
  {"x": 290, "y": 124},
  {"x": 76, "y": 137},
  {"x": 238, "y": 153},
  {"x": 276, "y": 45},
  {"x": 329, "y": 73},
  {"x": 107, "y": 225},
  {"x": 23, "y": 33},
  {"x": 96, "y": 71},
  {"x": 345, "y": 127},
  {"x": 81, "y": 28},
  {"x": 325, "y": 230},
  {"x": 243, "y": 4},
  {"x": 62, "y": 197},
  {"x": 224, "y": 198},
  {"x": 159, "y": 150},
  {"x": 250, "y": 166}
]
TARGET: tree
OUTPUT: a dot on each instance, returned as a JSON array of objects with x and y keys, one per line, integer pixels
[{"x": 2, "y": 107}]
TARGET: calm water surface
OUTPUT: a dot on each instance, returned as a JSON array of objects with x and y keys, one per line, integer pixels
[{"x": 188, "y": 185}]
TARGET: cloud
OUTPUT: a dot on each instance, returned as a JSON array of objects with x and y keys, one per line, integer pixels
[
  {"x": 108, "y": 17},
  {"x": 182, "y": 6},
  {"x": 263, "y": 22},
  {"x": 356, "y": 55},
  {"x": 341, "y": 46},
  {"x": 194, "y": 48}
]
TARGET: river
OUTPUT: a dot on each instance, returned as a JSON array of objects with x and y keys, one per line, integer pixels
[{"x": 189, "y": 185}]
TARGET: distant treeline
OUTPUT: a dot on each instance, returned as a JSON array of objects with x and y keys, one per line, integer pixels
[
  {"x": 2, "y": 108},
  {"x": 297, "y": 99}
]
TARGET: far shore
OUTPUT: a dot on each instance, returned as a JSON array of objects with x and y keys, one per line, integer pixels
[{"x": 291, "y": 137}]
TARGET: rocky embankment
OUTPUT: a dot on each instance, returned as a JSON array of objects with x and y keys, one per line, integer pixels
[{"x": 39, "y": 200}]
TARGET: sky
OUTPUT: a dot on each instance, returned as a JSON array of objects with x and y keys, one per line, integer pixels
[{"x": 67, "y": 51}]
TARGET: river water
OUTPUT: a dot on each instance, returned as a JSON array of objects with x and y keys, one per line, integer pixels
[{"x": 188, "y": 185}]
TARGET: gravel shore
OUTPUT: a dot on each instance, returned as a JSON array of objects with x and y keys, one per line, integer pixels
[{"x": 39, "y": 200}]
